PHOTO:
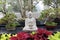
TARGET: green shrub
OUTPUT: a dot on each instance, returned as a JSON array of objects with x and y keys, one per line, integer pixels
[
  {"x": 51, "y": 23},
  {"x": 56, "y": 36}
]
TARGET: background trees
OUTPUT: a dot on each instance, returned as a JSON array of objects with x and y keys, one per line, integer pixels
[{"x": 55, "y": 4}]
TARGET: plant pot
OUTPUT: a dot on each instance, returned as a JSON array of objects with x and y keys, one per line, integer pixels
[
  {"x": 11, "y": 28},
  {"x": 50, "y": 27}
]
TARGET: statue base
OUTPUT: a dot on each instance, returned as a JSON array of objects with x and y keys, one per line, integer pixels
[{"x": 30, "y": 29}]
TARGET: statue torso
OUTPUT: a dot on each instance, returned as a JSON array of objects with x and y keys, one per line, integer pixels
[{"x": 30, "y": 21}]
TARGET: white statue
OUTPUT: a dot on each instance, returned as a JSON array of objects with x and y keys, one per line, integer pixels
[{"x": 30, "y": 23}]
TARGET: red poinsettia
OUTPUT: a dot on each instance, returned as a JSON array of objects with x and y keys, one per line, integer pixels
[
  {"x": 41, "y": 34},
  {"x": 44, "y": 31},
  {"x": 41, "y": 31},
  {"x": 22, "y": 35},
  {"x": 13, "y": 38}
]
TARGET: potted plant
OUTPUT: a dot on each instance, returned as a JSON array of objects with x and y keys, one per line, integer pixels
[
  {"x": 10, "y": 20},
  {"x": 45, "y": 14},
  {"x": 11, "y": 25},
  {"x": 50, "y": 24}
]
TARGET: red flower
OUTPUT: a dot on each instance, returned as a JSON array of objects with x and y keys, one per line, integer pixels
[
  {"x": 41, "y": 31},
  {"x": 13, "y": 38},
  {"x": 42, "y": 34},
  {"x": 22, "y": 36},
  {"x": 48, "y": 33}
]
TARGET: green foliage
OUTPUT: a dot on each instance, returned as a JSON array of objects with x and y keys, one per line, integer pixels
[
  {"x": 7, "y": 17},
  {"x": 49, "y": 13},
  {"x": 55, "y": 5},
  {"x": 46, "y": 13},
  {"x": 5, "y": 36},
  {"x": 47, "y": 2},
  {"x": 51, "y": 23},
  {"x": 12, "y": 24},
  {"x": 57, "y": 9},
  {"x": 9, "y": 20},
  {"x": 52, "y": 16},
  {"x": 33, "y": 33},
  {"x": 56, "y": 36},
  {"x": 58, "y": 1},
  {"x": 2, "y": 2}
]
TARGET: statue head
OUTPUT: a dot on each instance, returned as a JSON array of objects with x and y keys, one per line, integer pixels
[{"x": 29, "y": 14}]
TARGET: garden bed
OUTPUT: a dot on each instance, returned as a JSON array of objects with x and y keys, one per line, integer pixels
[{"x": 40, "y": 34}]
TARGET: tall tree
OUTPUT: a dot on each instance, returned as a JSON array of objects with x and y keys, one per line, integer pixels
[
  {"x": 25, "y": 5},
  {"x": 30, "y": 4},
  {"x": 21, "y": 8}
]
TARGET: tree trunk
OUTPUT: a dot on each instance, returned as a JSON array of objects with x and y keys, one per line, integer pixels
[
  {"x": 30, "y": 4},
  {"x": 22, "y": 9}
]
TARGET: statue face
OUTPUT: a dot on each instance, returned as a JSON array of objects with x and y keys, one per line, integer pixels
[{"x": 30, "y": 15}]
